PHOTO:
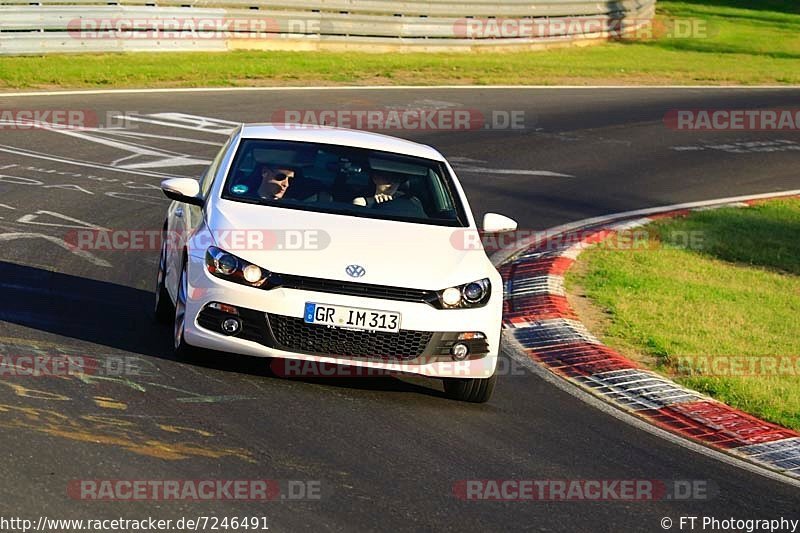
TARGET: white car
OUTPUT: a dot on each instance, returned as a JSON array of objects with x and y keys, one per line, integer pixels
[{"x": 333, "y": 246}]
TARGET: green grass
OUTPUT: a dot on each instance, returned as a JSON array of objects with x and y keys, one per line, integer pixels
[
  {"x": 736, "y": 294},
  {"x": 747, "y": 44}
]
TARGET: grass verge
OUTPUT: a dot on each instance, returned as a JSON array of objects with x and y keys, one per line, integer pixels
[
  {"x": 739, "y": 43},
  {"x": 721, "y": 317}
]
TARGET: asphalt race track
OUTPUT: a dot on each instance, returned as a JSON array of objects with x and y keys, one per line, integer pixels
[{"x": 387, "y": 451}]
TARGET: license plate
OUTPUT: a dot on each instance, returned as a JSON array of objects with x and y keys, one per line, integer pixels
[{"x": 351, "y": 317}]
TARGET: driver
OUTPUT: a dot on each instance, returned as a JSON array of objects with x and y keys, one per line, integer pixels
[{"x": 275, "y": 181}]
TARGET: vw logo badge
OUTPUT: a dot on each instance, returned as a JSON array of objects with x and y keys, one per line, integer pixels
[{"x": 355, "y": 271}]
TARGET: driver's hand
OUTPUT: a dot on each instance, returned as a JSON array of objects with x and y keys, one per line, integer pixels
[{"x": 380, "y": 198}]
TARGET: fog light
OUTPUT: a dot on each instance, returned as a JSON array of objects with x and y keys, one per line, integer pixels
[
  {"x": 231, "y": 326},
  {"x": 451, "y": 296},
  {"x": 252, "y": 274},
  {"x": 459, "y": 351}
]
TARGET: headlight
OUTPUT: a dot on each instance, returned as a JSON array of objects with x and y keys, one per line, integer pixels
[
  {"x": 229, "y": 267},
  {"x": 227, "y": 264},
  {"x": 473, "y": 294}
]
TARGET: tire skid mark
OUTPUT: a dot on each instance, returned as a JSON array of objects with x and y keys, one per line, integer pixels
[{"x": 120, "y": 433}]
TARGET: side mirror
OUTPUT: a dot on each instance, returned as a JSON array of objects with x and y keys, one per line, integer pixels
[
  {"x": 494, "y": 223},
  {"x": 184, "y": 190}
]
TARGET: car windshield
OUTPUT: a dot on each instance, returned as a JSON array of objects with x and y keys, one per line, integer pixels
[{"x": 343, "y": 180}]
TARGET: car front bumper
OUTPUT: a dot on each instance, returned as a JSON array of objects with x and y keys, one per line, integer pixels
[{"x": 273, "y": 327}]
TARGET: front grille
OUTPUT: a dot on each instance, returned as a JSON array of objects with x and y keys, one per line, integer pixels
[
  {"x": 349, "y": 288},
  {"x": 293, "y": 334}
]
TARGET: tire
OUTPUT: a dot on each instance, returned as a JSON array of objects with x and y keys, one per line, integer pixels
[
  {"x": 475, "y": 390},
  {"x": 164, "y": 311},
  {"x": 182, "y": 349}
]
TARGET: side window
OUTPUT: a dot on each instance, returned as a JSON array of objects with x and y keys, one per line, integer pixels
[
  {"x": 208, "y": 178},
  {"x": 441, "y": 198}
]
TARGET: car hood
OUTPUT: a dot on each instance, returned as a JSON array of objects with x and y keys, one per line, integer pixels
[{"x": 323, "y": 245}]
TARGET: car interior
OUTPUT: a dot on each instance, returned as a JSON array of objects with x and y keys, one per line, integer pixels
[{"x": 329, "y": 178}]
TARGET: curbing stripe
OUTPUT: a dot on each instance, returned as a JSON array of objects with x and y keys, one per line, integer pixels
[
  {"x": 581, "y": 359},
  {"x": 784, "y": 452},
  {"x": 547, "y": 331},
  {"x": 537, "y": 285},
  {"x": 642, "y": 389},
  {"x": 553, "y": 332},
  {"x": 719, "y": 424}
]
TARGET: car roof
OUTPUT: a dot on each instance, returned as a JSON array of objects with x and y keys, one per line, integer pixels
[{"x": 339, "y": 136}]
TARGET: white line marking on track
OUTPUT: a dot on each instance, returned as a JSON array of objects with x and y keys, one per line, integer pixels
[
  {"x": 6, "y": 207},
  {"x": 509, "y": 171},
  {"x": 116, "y": 162},
  {"x": 165, "y": 158},
  {"x": 31, "y": 217},
  {"x": 126, "y": 133},
  {"x": 184, "y": 121},
  {"x": 133, "y": 197},
  {"x": 100, "y": 166},
  {"x": 197, "y": 120},
  {"x": 469, "y": 165},
  {"x": 169, "y": 162}
]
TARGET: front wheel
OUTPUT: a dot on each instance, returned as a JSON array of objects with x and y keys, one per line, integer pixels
[
  {"x": 164, "y": 310},
  {"x": 475, "y": 390},
  {"x": 182, "y": 350}
]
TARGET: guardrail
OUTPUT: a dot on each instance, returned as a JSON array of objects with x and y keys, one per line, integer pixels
[{"x": 70, "y": 26}]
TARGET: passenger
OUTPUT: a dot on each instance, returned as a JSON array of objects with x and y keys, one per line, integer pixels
[{"x": 386, "y": 187}]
